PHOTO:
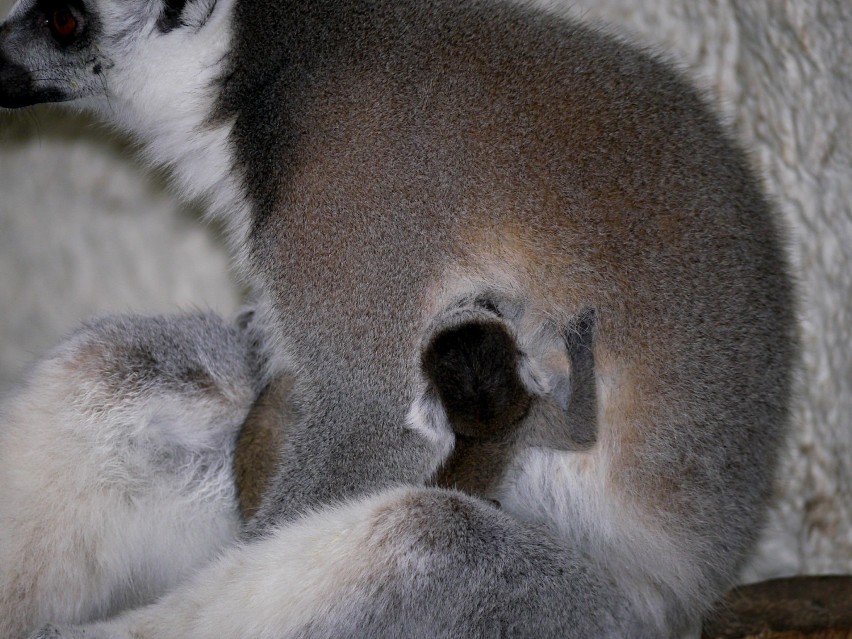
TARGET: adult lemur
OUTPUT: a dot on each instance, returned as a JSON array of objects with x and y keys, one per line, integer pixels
[{"x": 485, "y": 239}]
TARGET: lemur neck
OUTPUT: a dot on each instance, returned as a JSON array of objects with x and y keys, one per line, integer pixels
[
  {"x": 174, "y": 117},
  {"x": 198, "y": 152}
]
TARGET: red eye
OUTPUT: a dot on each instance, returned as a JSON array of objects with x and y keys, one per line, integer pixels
[{"x": 63, "y": 23}]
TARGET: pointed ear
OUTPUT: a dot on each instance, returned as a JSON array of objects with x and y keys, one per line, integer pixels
[{"x": 564, "y": 416}]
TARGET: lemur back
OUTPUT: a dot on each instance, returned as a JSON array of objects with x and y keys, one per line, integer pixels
[
  {"x": 480, "y": 233},
  {"x": 417, "y": 157}
]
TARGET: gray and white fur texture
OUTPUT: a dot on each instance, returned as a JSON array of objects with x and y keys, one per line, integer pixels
[
  {"x": 484, "y": 237},
  {"x": 116, "y": 475}
]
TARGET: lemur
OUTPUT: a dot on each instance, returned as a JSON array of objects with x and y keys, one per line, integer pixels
[
  {"x": 116, "y": 457},
  {"x": 480, "y": 234}
]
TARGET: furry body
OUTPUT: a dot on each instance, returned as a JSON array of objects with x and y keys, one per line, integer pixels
[
  {"x": 389, "y": 170},
  {"x": 115, "y": 467}
]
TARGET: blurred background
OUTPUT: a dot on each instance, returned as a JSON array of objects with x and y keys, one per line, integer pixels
[{"x": 84, "y": 229}]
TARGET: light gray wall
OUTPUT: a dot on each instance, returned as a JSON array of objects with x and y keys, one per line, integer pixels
[{"x": 83, "y": 230}]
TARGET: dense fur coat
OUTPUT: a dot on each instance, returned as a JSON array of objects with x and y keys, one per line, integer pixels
[
  {"x": 115, "y": 466},
  {"x": 400, "y": 176}
]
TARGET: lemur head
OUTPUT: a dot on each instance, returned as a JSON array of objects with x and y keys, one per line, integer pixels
[{"x": 144, "y": 64}]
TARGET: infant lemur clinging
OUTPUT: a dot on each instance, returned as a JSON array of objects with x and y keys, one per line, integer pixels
[{"x": 464, "y": 220}]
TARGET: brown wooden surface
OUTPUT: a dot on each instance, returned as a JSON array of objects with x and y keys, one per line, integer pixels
[{"x": 794, "y": 608}]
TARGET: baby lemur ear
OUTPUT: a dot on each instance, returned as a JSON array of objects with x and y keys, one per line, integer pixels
[{"x": 492, "y": 390}]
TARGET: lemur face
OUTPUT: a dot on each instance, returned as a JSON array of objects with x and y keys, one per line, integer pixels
[
  {"x": 129, "y": 59},
  {"x": 48, "y": 53}
]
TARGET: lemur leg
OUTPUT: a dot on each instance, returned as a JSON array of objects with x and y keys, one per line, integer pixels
[
  {"x": 115, "y": 466},
  {"x": 468, "y": 386},
  {"x": 453, "y": 417},
  {"x": 408, "y": 562},
  {"x": 260, "y": 440}
]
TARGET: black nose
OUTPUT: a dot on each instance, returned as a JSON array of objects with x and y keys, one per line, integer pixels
[{"x": 17, "y": 88}]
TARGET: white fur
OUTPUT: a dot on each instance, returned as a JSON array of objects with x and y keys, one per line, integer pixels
[
  {"x": 172, "y": 115},
  {"x": 567, "y": 491},
  {"x": 107, "y": 502},
  {"x": 273, "y": 587},
  {"x": 427, "y": 417},
  {"x": 313, "y": 569}
]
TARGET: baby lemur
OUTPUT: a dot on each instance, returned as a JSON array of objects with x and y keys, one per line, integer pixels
[
  {"x": 116, "y": 463},
  {"x": 468, "y": 222},
  {"x": 116, "y": 457}
]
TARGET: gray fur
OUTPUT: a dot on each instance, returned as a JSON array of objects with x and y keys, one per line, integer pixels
[
  {"x": 392, "y": 158},
  {"x": 498, "y": 578},
  {"x": 115, "y": 466}
]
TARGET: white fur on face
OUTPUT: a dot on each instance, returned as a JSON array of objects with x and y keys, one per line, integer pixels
[{"x": 158, "y": 82}]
